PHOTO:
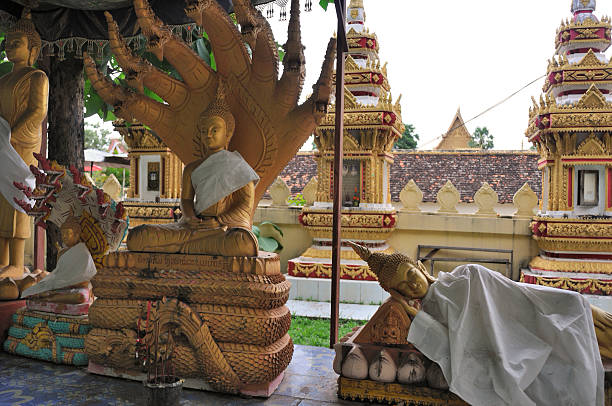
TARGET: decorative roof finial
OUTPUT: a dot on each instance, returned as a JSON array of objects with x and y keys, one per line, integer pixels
[
  {"x": 583, "y": 5},
  {"x": 583, "y": 10},
  {"x": 356, "y": 14}
]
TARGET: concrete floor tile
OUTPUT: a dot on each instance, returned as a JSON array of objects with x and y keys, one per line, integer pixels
[
  {"x": 309, "y": 378},
  {"x": 309, "y": 387}
]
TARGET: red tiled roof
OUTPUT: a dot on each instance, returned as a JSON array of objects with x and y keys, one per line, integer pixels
[{"x": 505, "y": 171}]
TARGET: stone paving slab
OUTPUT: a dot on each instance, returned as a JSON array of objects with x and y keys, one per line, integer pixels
[
  {"x": 309, "y": 381},
  {"x": 323, "y": 310}
]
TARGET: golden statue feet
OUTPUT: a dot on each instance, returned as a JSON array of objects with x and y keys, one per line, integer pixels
[
  {"x": 11, "y": 287},
  {"x": 11, "y": 271},
  {"x": 8, "y": 289}
]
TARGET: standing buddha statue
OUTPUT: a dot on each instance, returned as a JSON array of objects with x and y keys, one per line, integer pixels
[{"x": 23, "y": 106}]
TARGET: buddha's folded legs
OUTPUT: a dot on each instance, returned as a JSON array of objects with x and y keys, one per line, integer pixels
[{"x": 177, "y": 238}]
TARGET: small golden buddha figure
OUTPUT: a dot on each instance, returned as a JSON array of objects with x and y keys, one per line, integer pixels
[
  {"x": 23, "y": 106},
  {"x": 217, "y": 197}
]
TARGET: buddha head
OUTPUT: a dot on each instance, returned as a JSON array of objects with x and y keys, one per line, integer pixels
[
  {"x": 71, "y": 231},
  {"x": 22, "y": 41},
  {"x": 216, "y": 124},
  {"x": 397, "y": 272}
]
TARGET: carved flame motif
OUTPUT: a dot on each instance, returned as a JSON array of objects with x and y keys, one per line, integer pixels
[{"x": 270, "y": 126}]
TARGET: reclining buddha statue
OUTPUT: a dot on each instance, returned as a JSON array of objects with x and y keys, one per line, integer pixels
[
  {"x": 495, "y": 341},
  {"x": 217, "y": 197}
]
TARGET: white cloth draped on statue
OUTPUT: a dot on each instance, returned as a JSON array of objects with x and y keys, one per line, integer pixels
[
  {"x": 73, "y": 266},
  {"x": 13, "y": 169},
  {"x": 221, "y": 174},
  {"x": 499, "y": 342}
]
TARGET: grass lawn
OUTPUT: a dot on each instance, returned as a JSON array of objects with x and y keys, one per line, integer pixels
[{"x": 312, "y": 331}]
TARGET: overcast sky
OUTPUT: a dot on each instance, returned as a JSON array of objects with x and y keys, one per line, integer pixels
[{"x": 444, "y": 54}]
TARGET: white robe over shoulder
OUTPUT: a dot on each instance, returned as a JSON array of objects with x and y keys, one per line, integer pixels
[
  {"x": 499, "y": 342},
  {"x": 73, "y": 266},
  {"x": 13, "y": 169},
  {"x": 220, "y": 175}
]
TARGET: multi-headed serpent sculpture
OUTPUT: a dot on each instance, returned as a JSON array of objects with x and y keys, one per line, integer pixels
[{"x": 270, "y": 126}]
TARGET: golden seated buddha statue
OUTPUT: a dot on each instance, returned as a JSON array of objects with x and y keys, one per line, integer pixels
[
  {"x": 217, "y": 197},
  {"x": 202, "y": 279}
]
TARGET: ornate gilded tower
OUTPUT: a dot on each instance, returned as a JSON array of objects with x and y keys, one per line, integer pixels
[
  {"x": 571, "y": 127},
  {"x": 155, "y": 176},
  {"x": 372, "y": 124}
]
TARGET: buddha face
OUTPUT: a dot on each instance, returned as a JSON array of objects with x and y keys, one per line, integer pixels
[
  {"x": 214, "y": 133},
  {"x": 17, "y": 49},
  {"x": 70, "y": 236},
  {"x": 410, "y": 282}
]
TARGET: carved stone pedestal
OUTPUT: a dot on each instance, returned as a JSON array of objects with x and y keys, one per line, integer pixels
[
  {"x": 377, "y": 364},
  {"x": 225, "y": 318}
]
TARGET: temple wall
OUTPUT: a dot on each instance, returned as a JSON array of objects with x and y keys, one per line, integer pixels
[{"x": 463, "y": 229}]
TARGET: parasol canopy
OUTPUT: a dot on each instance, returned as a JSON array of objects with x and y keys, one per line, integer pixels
[{"x": 67, "y": 26}]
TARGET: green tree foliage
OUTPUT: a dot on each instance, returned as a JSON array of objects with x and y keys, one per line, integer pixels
[
  {"x": 481, "y": 138},
  {"x": 119, "y": 174},
  {"x": 325, "y": 3},
  {"x": 96, "y": 137},
  {"x": 409, "y": 138},
  {"x": 99, "y": 177},
  {"x": 5, "y": 65}
]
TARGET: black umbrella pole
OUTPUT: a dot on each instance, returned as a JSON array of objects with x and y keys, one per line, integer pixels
[{"x": 338, "y": 154}]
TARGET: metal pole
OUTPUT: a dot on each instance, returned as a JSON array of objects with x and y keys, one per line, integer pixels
[{"x": 338, "y": 154}]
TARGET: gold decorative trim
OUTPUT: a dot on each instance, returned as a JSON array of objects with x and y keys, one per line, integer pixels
[
  {"x": 573, "y": 244},
  {"x": 314, "y": 252},
  {"x": 366, "y": 220},
  {"x": 319, "y": 270},
  {"x": 132, "y": 264},
  {"x": 593, "y": 286},
  {"x": 571, "y": 266},
  {"x": 395, "y": 393},
  {"x": 589, "y": 230}
]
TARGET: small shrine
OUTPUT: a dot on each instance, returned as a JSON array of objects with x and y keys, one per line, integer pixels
[
  {"x": 155, "y": 176},
  {"x": 570, "y": 128},
  {"x": 372, "y": 124}
]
